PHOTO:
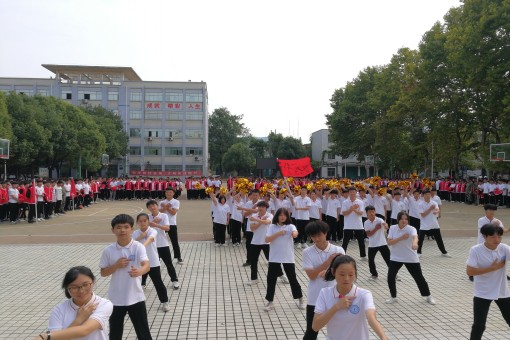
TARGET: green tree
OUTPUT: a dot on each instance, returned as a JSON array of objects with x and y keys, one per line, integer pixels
[
  {"x": 273, "y": 143},
  {"x": 225, "y": 129},
  {"x": 290, "y": 148},
  {"x": 5, "y": 120},
  {"x": 239, "y": 159}
]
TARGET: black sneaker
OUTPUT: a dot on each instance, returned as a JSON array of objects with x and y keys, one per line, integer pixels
[{"x": 246, "y": 264}]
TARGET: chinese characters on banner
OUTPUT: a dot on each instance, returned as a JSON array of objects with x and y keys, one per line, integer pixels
[
  {"x": 173, "y": 106},
  {"x": 295, "y": 167},
  {"x": 165, "y": 173}
]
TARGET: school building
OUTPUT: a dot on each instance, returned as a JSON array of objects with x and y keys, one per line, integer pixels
[
  {"x": 336, "y": 166},
  {"x": 166, "y": 121}
]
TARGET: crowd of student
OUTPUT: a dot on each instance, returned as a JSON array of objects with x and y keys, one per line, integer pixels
[{"x": 276, "y": 219}]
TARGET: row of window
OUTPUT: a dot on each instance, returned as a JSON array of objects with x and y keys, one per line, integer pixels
[
  {"x": 157, "y": 151},
  {"x": 169, "y": 133},
  {"x": 157, "y": 96},
  {"x": 167, "y": 167},
  {"x": 155, "y": 115}
]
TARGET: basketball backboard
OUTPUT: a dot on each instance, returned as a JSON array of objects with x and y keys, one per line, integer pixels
[
  {"x": 4, "y": 148},
  {"x": 500, "y": 152}
]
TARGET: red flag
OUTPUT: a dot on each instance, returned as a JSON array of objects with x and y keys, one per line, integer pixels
[
  {"x": 295, "y": 167},
  {"x": 73, "y": 188}
]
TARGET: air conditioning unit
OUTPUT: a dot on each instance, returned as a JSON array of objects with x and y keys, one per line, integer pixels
[
  {"x": 197, "y": 159},
  {"x": 149, "y": 139},
  {"x": 85, "y": 101},
  {"x": 170, "y": 139}
]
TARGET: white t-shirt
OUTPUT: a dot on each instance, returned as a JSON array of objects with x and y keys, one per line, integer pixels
[
  {"x": 379, "y": 203},
  {"x": 63, "y": 315},
  {"x": 430, "y": 221},
  {"x": 402, "y": 251},
  {"x": 175, "y": 204},
  {"x": 493, "y": 285},
  {"x": 235, "y": 213},
  {"x": 152, "y": 250},
  {"x": 259, "y": 235},
  {"x": 313, "y": 257},
  {"x": 39, "y": 191},
  {"x": 352, "y": 220},
  {"x": 161, "y": 239},
  {"x": 302, "y": 202},
  {"x": 221, "y": 212},
  {"x": 414, "y": 207},
  {"x": 249, "y": 205},
  {"x": 379, "y": 238},
  {"x": 281, "y": 249},
  {"x": 436, "y": 199},
  {"x": 346, "y": 323},
  {"x": 333, "y": 205},
  {"x": 68, "y": 189},
  {"x": 315, "y": 209},
  {"x": 13, "y": 195},
  {"x": 58, "y": 193},
  {"x": 483, "y": 221},
  {"x": 398, "y": 206},
  {"x": 124, "y": 290}
]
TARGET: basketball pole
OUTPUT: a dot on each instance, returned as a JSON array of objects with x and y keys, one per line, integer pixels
[{"x": 5, "y": 170}]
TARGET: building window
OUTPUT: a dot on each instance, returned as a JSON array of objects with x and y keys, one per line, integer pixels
[
  {"x": 173, "y": 167},
  {"x": 174, "y": 116},
  {"x": 173, "y": 151},
  {"x": 135, "y": 114},
  {"x": 135, "y": 167},
  {"x": 174, "y": 97},
  {"x": 43, "y": 91},
  {"x": 153, "y": 96},
  {"x": 171, "y": 134},
  {"x": 113, "y": 95},
  {"x": 90, "y": 94},
  {"x": 193, "y": 167},
  {"x": 331, "y": 155},
  {"x": 153, "y": 133},
  {"x": 194, "y": 115},
  {"x": 134, "y": 132},
  {"x": 194, "y": 97},
  {"x": 151, "y": 115},
  {"x": 135, "y": 150},
  {"x": 194, "y": 151},
  {"x": 193, "y": 133},
  {"x": 67, "y": 94},
  {"x": 136, "y": 96},
  {"x": 151, "y": 151},
  {"x": 331, "y": 172}
]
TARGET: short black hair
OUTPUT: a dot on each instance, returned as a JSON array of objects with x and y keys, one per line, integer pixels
[
  {"x": 337, "y": 261},
  {"x": 151, "y": 202},
  {"x": 72, "y": 274},
  {"x": 121, "y": 219},
  {"x": 425, "y": 191},
  {"x": 490, "y": 229},
  {"x": 278, "y": 213},
  {"x": 141, "y": 215},
  {"x": 170, "y": 189},
  {"x": 369, "y": 207},
  {"x": 263, "y": 204},
  {"x": 316, "y": 227},
  {"x": 402, "y": 213},
  {"x": 334, "y": 191},
  {"x": 351, "y": 189},
  {"x": 489, "y": 206}
]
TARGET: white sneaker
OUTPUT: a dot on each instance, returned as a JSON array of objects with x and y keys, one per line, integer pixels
[
  {"x": 446, "y": 255},
  {"x": 364, "y": 258},
  {"x": 301, "y": 304},
  {"x": 284, "y": 279},
  {"x": 268, "y": 306},
  {"x": 166, "y": 307},
  {"x": 144, "y": 287},
  {"x": 225, "y": 245},
  {"x": 298, "y": 245},
  {"x": 180, "y": 261},
  {"x": 430, "y": 300},
  {"x": 217, "y": 245},
  {"x": 373, "y": 277},
  {"x": 176, "y": 285},
  {"x": 392, "y": 300},
  {"x": 304, "y": 245},
  {"x": 397, "y": 278},
  {"x": 252, "y": 282}
]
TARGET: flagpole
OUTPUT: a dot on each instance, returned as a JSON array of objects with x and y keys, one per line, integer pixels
[{"x": 35, "y": 194}]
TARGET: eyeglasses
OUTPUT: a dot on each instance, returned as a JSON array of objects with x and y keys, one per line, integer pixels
[{"x": 84, "y": 287}]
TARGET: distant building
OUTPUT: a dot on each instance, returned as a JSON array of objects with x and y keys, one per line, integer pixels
[
  {"x": 336, "y": 166},
  {"x": 166, "y": 121}
]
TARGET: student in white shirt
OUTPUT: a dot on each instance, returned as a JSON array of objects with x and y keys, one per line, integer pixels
[
  {"x": 487, "y": 263},
  {"x": 404, "y": 242},
  {"x": 84, "y": 314},
  {"x": 414, "y": 203},
  {"x": 147, "y": 236},
  {"x": 345, "y": 308},
  {"x": 170, "y": 206},
  {"x": 280, "y": 235},
  {"x": 429, "y": 213},
  {"x": 316, "y": 260},
  {"x": 248, "y": 209},
  {"x": 302, "y": 205},
  {"x": 376, "y": 228},
  {"x": 221, "y": 218},
  {"x": 126, "y": 261},
  {"x": 316, "y": 207},
  {"x": 332, "y": 213},
  {"x": 236, "y": 219},
  {"x": 159, "y": 222},
  {"x": 352, "y": 209}
]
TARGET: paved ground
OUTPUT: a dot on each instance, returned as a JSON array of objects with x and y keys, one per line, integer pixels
[{"x": 213, "y": 302}]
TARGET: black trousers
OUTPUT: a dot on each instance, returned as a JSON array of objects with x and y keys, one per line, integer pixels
[
  {"x": 300, "y": 226},
  {"x": 480, "y": 311},
  {"x": 235, "y": 227},
  {"x": 414, "y": 269},
  {"x": 255, "y": 253},
  {"x": 138, "y": 315},
  {"x": 360, "y": 236},
  {"x": 415, "y": 222},
  {"x": 40, "y": 209},
  {"x": 310, "y": 334},
  {"x": 219, "y": 232},
  {"x": 333, "y": 226},
  {"x": 437, "y": 235},
  {"x": 174, "y": 238},
  {"x": 164, "y": 254},
  {"x": 372, "y": 251},
  {"x": 249, "y": 237},
  {"x": 273, "y": 272},
  {"x": 155, "y": 275},
  {"x": 13, "y": 212},
  {"x": 31, "y": 212}
]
